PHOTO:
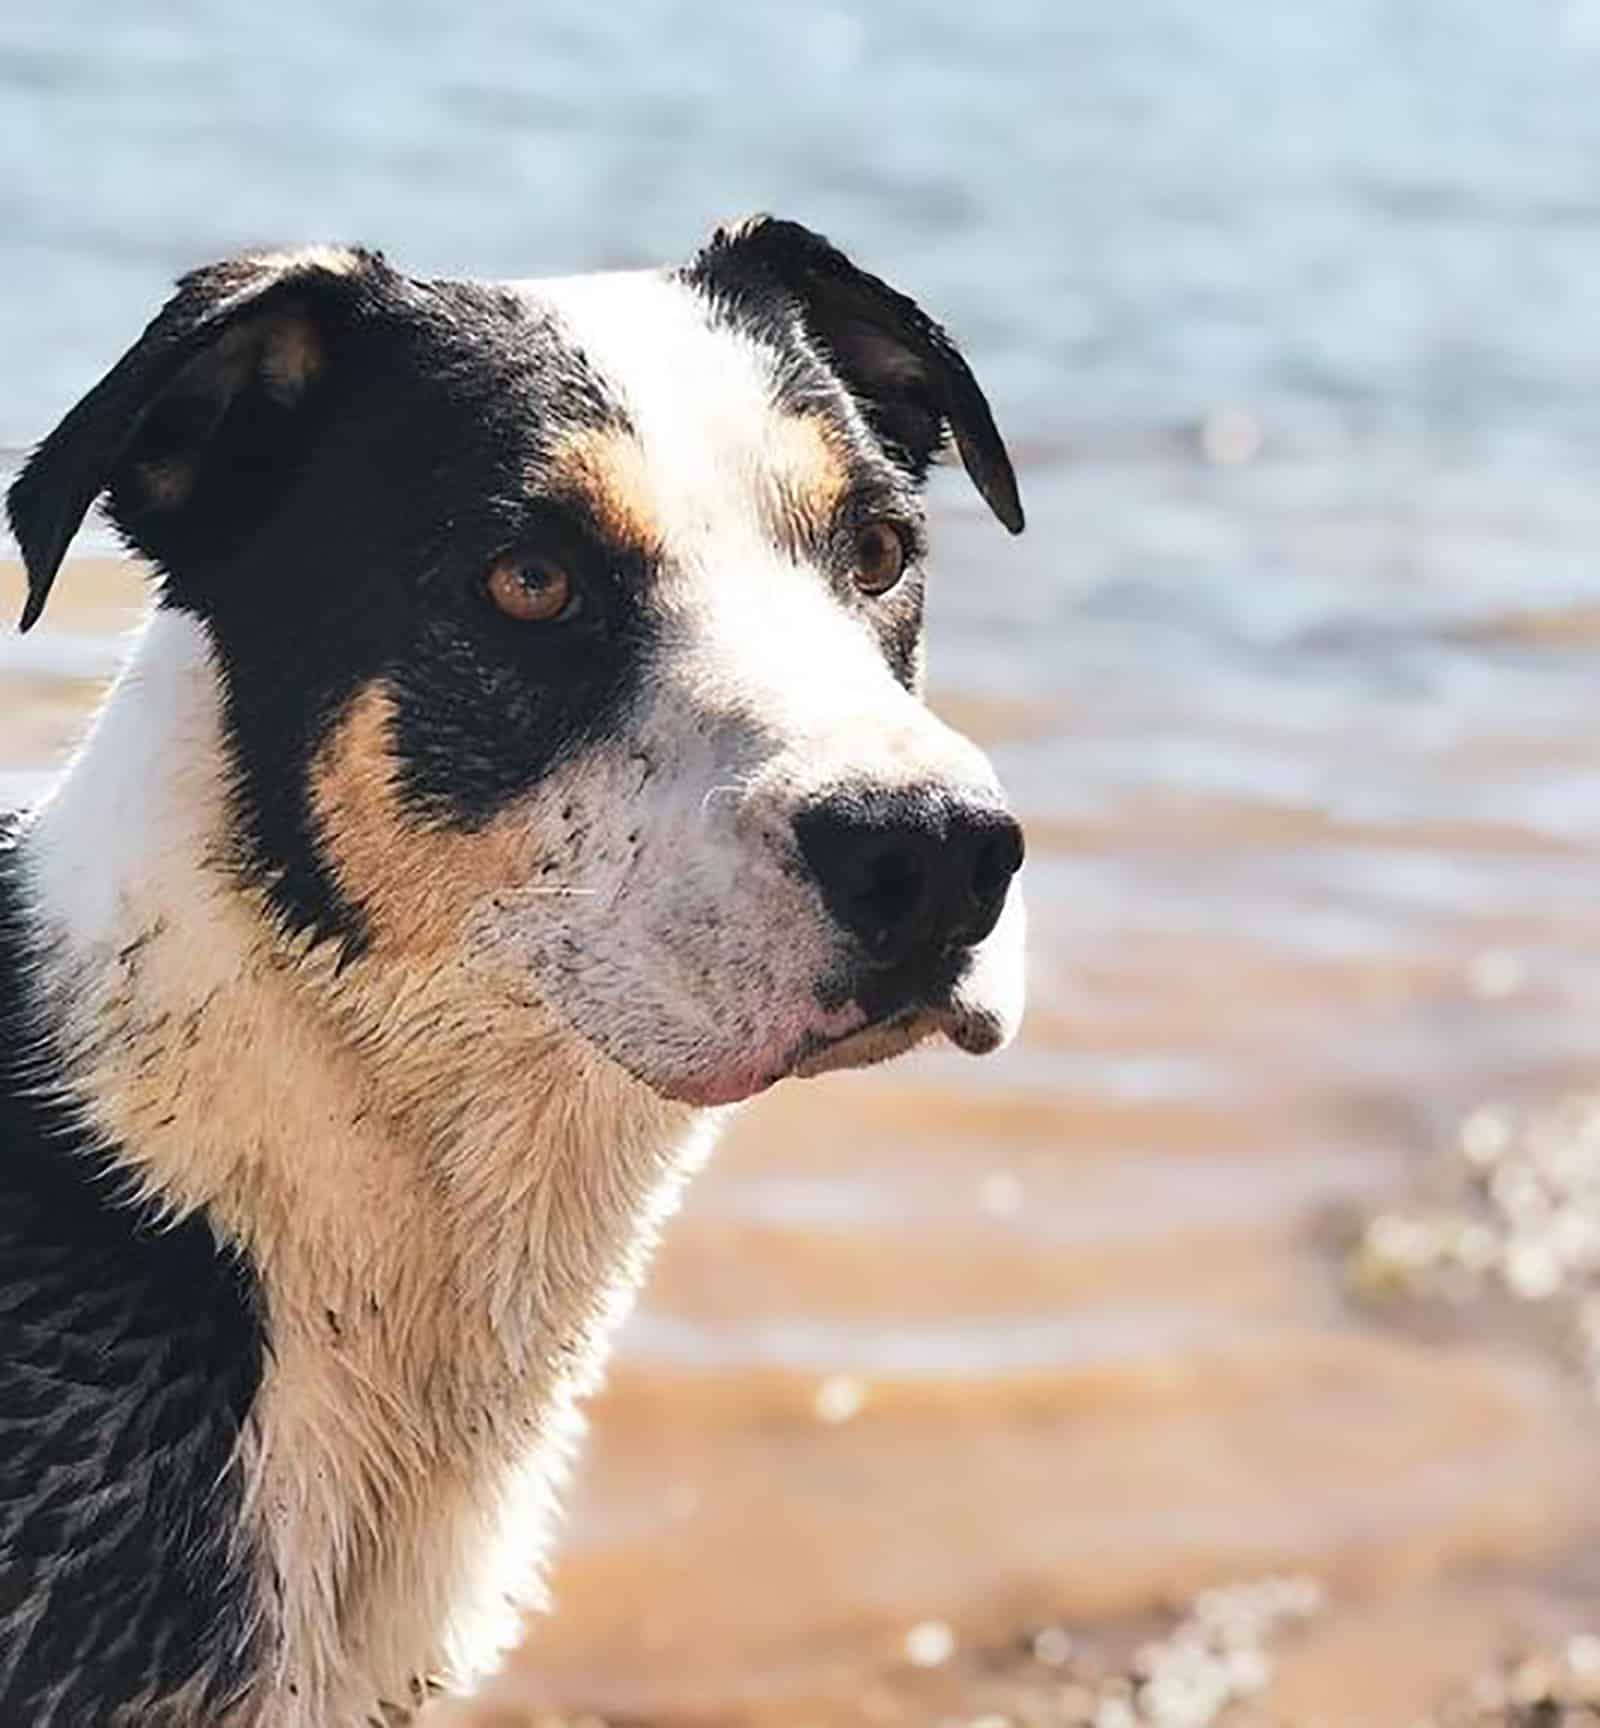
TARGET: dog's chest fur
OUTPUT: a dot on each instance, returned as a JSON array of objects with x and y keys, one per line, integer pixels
[{"x": 435, "y": 1231}]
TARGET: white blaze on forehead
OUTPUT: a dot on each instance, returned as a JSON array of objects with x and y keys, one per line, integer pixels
[{"x": 699, "y": 395}]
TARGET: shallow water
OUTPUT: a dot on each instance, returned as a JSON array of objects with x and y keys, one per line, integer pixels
[{"x": 1288, "y": 312}]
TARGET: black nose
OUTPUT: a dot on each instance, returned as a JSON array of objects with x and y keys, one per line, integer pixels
[{"x": 910, "y": 873}]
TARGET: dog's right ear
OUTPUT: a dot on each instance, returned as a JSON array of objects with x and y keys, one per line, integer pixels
[{"x": 255, "y": 327}]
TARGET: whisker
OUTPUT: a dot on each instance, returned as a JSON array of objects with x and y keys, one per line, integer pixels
[{"x": 719, "y": 792}]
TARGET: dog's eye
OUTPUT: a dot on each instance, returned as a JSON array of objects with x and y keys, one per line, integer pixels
[
  {"x": 880, "y": 557},
  {"x": 532, "y": 590}
]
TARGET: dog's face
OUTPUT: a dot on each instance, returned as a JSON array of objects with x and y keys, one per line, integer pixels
[{"x": 570, "y": 636}]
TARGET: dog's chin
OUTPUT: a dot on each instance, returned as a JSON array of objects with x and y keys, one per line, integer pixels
[{"x": 979, "y": 1013}]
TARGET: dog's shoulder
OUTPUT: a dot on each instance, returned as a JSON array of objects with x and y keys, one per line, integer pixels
[{"x": 129, "y": 1353}]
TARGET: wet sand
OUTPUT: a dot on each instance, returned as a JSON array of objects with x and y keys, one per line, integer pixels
[{"x": 947, "y": 1353}]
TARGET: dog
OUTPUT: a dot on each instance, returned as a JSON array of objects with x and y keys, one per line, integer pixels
[{"x": 524, "y": 761}]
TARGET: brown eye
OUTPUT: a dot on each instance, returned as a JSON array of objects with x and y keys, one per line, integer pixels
[
  {"x": 532, "y": 591},
  {"x": 880, "y": 557}
]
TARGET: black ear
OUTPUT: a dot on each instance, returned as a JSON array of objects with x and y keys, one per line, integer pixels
[
  {"x": 900, "y": 365},
  {"x": 257, "y": 321}
]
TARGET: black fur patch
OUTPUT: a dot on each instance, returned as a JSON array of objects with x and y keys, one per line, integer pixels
[
  {"x": 339, "y": 535},
  {"x": 129, "y": 1357},
  {"x": 908, "y": 376},
  {"x": 488, "y": 706},
  {"x": 344, "y": 540}
]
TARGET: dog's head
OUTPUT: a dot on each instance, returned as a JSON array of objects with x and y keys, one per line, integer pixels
[{"x": 569, "y": 636}]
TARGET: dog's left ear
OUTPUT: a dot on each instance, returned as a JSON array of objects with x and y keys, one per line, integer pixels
[
  {"x": 899, "y": 364},
  {"x": 252, "y": 328}
]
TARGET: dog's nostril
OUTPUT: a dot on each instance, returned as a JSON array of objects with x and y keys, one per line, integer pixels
[
  {"x": 999, "y": 858},
  {"x": 892, "y": 885},
  {"x": 890, "y": 874},
  {"x": 990, "y": 843}
]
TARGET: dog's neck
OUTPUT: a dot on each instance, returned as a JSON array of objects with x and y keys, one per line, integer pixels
[{"x": 447, "y": 1204}]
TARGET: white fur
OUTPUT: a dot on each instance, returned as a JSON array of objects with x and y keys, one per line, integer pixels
[{"x": 135, "y": 809}]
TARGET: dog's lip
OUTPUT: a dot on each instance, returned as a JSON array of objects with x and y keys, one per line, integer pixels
[{"x": 968, "y": 1028}]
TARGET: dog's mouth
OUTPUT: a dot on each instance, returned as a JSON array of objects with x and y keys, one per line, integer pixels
[
  {"x": 972, "y": 1029},
  {"x": 968, "y": 1028},
  {"x": 900, "y": 1008},
  {"x": 879, "y": 1040},
  {"x": 972, "y": 998}
]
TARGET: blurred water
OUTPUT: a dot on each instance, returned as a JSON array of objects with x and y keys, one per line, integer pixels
[
  {"x": 1373, "y": 230},
  {"x": 1287, "y": 311},
  {"x": 1376, "y": 222}
]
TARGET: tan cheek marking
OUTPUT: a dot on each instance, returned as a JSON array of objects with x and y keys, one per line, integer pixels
[
  {"x": 417, "y": 885},
  {"x": 609, "y": 473}
]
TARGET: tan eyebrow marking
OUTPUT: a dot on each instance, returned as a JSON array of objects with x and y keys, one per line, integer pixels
[
  {"x": 607, "y": 470},
  {"x": 809, "y": 473},
  {"x": 796, "y": 466}
]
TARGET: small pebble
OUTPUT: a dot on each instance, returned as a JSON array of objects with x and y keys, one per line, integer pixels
[
  {"x": 1532, "y": 1270},
  {"x": 1485, "y": 1136},
  {"x": 930, "y": 1644},
  {"x": 840, "y": 1397}
]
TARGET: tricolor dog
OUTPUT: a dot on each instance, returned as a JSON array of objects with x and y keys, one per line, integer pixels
[{"x": 524, "y": 760}]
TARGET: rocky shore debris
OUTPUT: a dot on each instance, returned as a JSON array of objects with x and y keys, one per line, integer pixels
[
  {"x": 1554, "y": 1689},
  {"x": 1213, "y": 1655},
  {"x": 1518, "y": 1216}
]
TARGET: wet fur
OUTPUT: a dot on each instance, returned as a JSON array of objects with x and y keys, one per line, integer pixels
[
  {"x": 367, "y": 981},
  {"x": 437, "y": 1229}
]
